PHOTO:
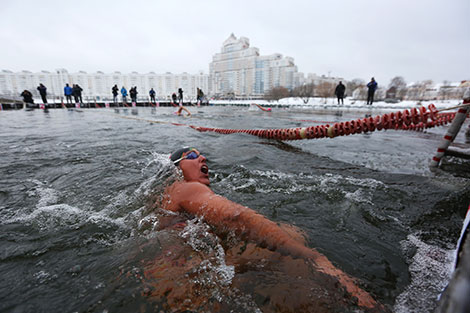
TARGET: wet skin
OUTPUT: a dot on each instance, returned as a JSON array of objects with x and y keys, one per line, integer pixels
[{"x": 194, "y": 196}]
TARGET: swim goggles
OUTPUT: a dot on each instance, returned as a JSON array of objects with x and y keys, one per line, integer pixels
[{"x": 193, "y": 154}]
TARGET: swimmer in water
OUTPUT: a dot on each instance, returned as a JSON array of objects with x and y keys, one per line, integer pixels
[
  {"x": 193, "y": 195},
  {"x": 181, "y": 109}
]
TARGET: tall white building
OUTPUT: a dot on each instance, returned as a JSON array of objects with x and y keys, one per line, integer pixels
[
  {"x": 98, "y": 85},
  {"x": 240, "y": 70}
]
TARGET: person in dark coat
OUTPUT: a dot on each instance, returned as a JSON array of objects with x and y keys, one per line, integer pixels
[
  {"x": 74, "y": 93},
  {"x": 180, "y": 96},
  {"x": 133, "y": 93},
  {"x": 115, "y": 90},
  {"x": 43, "y": 92},
  {"x": 200, "y": 96},
  {"x": 371, "y": 88},
  {"x": 77, "y": 93},
  {"x": 27, "y": 98},
  {"x": 339, "y": 92},
  {"x": 174, "y": 99},
  {"x": 68, "y": 93}
]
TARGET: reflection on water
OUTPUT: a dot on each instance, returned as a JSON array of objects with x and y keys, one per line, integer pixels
[{"x": 80, "y": 231}]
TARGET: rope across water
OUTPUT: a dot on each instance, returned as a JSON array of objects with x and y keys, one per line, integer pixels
[{"x": 413, "y": 119}]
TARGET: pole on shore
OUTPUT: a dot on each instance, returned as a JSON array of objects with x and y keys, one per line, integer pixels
[{"x": 451, "y": 133}]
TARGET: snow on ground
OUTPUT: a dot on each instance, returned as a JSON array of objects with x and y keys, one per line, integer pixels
[{"x": 331, "y": 103}]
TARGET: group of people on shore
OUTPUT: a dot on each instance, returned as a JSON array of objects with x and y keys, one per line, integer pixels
[
  {"x": 75, "y": 91},
  {"x": 132, "y": 93},
  {"x": 176, "y": 100},
  {"x": 28, "y": 96},
  {"x": 340, "y": 90}
]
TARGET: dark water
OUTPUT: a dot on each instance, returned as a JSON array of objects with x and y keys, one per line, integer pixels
[{"x": 77, "y": 233}]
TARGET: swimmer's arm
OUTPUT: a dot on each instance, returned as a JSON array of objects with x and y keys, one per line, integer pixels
[{"x": 198, "y": 199}]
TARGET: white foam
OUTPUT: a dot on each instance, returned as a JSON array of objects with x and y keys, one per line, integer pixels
[
  {"x": 288, "y": 183},
  {"x": 213, "y": 271},
  {"x": 47, "y": 196},
  {"x": 430, "y": 269},
  {"x": 164, "y": 168},
  {"x": 359, "y": 196},
  {"x": 43, "y": 276},
  {"x": 48, "y": 217},
  {"x": 249, "y": 183},
  {"x": 149, "y": 221},
  {"x": 64, "y": 216}
]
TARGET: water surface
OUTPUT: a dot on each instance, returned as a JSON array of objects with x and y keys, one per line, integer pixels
[{"x": 77, "y": 232}]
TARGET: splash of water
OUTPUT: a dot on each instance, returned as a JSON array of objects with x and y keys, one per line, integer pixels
[{"x": 430, "y": 268}]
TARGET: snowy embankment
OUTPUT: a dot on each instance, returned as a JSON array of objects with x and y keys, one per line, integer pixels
[{"x": 330, "y": 103}]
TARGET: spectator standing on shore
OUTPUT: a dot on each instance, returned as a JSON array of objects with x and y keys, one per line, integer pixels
[
  {"x": 339, "y": 92},
  {"x": 180, "y": 96},
  {"x": 43, "y": 92},
  {"x": 68, "y": 93},
  {"x": 133, "y": 92},
  {"x": 124, "y": 94},
  {"x": 115, "y": 90},
  {"x": 152, "y": 96},
  {"x": 27, "y": 97},
  {"x": 200, "y": 96},
  {"x": 174, "y": 99},
  {"x": 371, "y": 88},
  {"x": 74, "y": 93},
  {"x": 77, "y": 93}
]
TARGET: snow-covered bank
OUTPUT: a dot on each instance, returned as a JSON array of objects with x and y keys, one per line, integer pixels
[{"x": 320, "y": 103}]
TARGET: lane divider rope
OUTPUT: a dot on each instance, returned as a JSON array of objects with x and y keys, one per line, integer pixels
[{"x": 413, "y": 119}]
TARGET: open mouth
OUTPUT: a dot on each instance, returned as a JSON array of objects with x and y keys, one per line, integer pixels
[{"x": 205, "y": 169}]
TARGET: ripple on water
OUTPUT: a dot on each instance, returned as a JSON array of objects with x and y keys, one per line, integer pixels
[{"x": 271, "y": 181}]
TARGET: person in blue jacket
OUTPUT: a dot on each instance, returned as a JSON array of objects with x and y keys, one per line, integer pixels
[
  {"x": 68, "y": 93},
  {"x": 124, "y": 94},
  {"x": 371, "y": 88},
  {"x": 152, "y": 95}
]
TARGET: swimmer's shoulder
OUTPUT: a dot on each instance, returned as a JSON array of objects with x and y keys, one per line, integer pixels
[{"x": 188, "y": 189}]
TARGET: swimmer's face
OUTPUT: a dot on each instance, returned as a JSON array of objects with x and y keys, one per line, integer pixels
[{"x": 195, "y": 170}]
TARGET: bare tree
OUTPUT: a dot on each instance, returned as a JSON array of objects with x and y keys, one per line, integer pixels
[
  {"x": 397, "y": 82},
  {"x": 277, "y": 93},
  {"x": 425, "y": 85},
  {"x": 353, "y": 85},
  {"x": 326, "y": 90},
  {"x": 445, "y": 90},
  {"x": 396, "y": 88},
  {"x": 305, "y": 92},
  {"x": 418, "y": 90},
  {"x": 401, "y": 93}
]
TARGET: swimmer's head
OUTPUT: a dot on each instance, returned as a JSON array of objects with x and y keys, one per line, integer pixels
[
  {"x": 192, "y": 163},
  {"x": 176, "y": 156}
]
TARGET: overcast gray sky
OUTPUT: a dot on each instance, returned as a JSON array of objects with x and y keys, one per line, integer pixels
[{"x": 416, "y": 39}]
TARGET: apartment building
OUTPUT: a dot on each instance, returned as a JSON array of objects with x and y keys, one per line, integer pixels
[
  {"x": 98, "y": 85},
  {"x": 240, "y": 70}
]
